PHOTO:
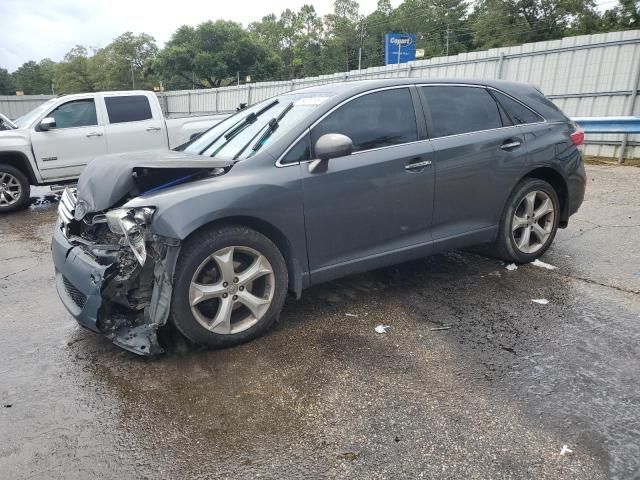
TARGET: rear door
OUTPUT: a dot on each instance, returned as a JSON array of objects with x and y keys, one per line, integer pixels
[
  {"x": 372, "y": 207},
  {"x": 132, "y": 124},
  {"x": 479, "y": 156},
  {"x": 77, "y": 138}
]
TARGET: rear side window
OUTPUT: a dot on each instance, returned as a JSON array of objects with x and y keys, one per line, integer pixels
[
  {"x": 456, "y": 110},
  {"x": 128, "y": 108},
  {"x": 78, "y": 113},
  {"x": 518, "y": 112},
  {"x": 378, "y": 119}
]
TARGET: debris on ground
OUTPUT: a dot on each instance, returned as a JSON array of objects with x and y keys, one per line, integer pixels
[
  {"x": 382, "y": 328},
  {"x": 541, "y": 301},
  {"x": 348, "y": 456},
  {"x": 511, "y": 267},
  {"x": 495, "y": 273},
  {"x": 565, "y": 450},
  {"x": 351, "y": 314},
  {"x": 538, "y": 263},
  {"x": 435, "y": 329}
]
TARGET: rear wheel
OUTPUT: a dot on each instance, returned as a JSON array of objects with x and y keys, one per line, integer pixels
[
  {"x": 229, "y": 287},
  {"x": 529, "y": 222},
  {"x": 14, "y": 188}
]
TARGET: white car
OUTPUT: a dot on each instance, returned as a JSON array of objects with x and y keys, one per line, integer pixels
[{"x": 52, "y": 143}]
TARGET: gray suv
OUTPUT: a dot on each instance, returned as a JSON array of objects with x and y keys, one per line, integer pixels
[{"x": 304, "y": 188}]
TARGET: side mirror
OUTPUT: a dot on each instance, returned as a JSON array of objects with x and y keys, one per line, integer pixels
[
  {"x": 47, "y": 124},
  {"x": 328, "y": 146}
]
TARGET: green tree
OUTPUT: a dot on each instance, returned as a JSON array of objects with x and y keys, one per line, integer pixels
[
  {"x": 111, "y": 67},
  {"x": 6, "y": 83},
  {"x": 34, "y": 78},
  {"x": 624, "y": 16},
  {"x": 508, "y": 22},
  {"x": 307, "y": 48},
  {"x": 341, "y": 51},
  {"x": 74, "y": 74},
  {"x": 214, "y": 52},
  {"x": 440, "y": 25}
]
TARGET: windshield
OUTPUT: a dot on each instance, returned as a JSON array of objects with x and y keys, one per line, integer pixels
[
  {"x": 28, "y": 118},
  {"x": 242, "y": 135}
]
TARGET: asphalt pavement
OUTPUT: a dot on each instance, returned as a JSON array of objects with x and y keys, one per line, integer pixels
[{"x": 472, "y": 379}]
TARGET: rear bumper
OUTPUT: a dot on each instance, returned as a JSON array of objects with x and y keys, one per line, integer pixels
[
  {"x": 576, "y": 185},
  {"x": 79, "y": 280}
]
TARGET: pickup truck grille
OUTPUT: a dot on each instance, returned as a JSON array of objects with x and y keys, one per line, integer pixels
[{"x": 67, "y": 207}]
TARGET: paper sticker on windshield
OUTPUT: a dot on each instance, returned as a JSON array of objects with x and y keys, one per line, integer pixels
[{"x": 310, "y": 101}]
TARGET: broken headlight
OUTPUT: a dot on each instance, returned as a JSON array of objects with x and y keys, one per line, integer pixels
[{"x": 132, "y": 224}]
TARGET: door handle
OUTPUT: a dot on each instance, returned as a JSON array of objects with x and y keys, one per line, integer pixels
[
  {"x": 511, "y": 144},
  {"x": 417, "y": 165},
  {"x": 94, "y": 134},
  {"x": 153, "y": 129}
]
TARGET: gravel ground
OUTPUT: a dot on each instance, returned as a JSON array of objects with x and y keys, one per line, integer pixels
[{"x": 495, "y": 395}]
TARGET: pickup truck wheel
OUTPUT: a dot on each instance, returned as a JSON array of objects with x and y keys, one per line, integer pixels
[
  {"x": 229, "y": 287},
  {"x": 14, "y": 188},
  {"x": 529, "y": 222}
]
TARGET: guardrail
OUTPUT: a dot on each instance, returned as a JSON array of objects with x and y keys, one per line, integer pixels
[{"x": 625, "y": 125}]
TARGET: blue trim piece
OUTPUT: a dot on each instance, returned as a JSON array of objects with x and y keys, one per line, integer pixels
[
  {"x": 177, "y": 181},
  {"x": 608, "y": 124}
]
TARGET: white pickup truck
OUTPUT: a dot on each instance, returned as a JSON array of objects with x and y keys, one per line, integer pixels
[{"x": 52, "y": 143}]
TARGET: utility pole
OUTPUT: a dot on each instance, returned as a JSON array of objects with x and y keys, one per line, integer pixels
[
  {"x": 133, "y": 80},
  {"x": 447, "y": 39},
  {"x": 361, "y": 44}
]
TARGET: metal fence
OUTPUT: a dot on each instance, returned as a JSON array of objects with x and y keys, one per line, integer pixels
[
  {"x": 14, "y": 106},
  {"x": 586, "y": 76}
]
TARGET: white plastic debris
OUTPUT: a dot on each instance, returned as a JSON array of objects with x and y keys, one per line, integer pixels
[
  {"x": 538, "y": 263},
  {"x": 351, "y": 314},
  {"x": 565, "y": 450},
  {"x": 512, "y": 266},
  {"x": 541, "y": 301},
  {"x": 382, "y": 328}
]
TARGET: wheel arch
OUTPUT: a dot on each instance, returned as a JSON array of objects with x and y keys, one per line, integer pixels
[
  {"x": 20, "y": 161},
  {"x": 294, "y": 267},
  {"x": 559, "y": 184}
]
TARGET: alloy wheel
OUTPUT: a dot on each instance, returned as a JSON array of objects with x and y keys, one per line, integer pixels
[
  {"x": 10, "y": 189},
  {"x": 533, "y": 222},
  {"x": 231, "y": 290}
]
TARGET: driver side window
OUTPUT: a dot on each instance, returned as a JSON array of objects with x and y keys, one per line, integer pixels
[
  {"x": 373, "y": 120},
  {"x": 77, "y": 113}
]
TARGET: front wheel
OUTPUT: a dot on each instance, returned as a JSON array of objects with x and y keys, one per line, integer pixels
[
  {"x": 229, "y": 287},
  {"x": 529, "y": 222},
  {"x": 14, "y": 188}
]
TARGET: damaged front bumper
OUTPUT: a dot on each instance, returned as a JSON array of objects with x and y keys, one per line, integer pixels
[{"x": 126, "y": 307}]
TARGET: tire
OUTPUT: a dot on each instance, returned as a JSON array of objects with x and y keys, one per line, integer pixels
[
  {"x": 12, "y": 182},
  {"x": 205, "y": 288},
  {"x": 511, "y": 243}
]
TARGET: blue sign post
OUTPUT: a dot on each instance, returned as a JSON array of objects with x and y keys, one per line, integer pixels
[{"x": 399, "y": 48}]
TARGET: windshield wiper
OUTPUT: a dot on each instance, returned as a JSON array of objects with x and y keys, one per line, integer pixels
[
  {"x": 237, "y": 127},
  {"x": 271, "y": 125}
]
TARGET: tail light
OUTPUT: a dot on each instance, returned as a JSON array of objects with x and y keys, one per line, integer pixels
[{"x": 577, "y": 137}]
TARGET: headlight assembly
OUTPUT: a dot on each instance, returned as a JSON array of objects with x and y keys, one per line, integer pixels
[{"x": 132, "y": 224}]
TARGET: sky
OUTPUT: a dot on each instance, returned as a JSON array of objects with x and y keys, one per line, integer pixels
[{"x": 37, "y": 29}]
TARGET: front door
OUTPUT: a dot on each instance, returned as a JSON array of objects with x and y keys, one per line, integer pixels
[
  {"x": 77, "y": 138},
  {"x": 373, "y": 207}
]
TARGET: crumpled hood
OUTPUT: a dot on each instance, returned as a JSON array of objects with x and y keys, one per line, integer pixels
[{"x": 108, "y": 179}]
